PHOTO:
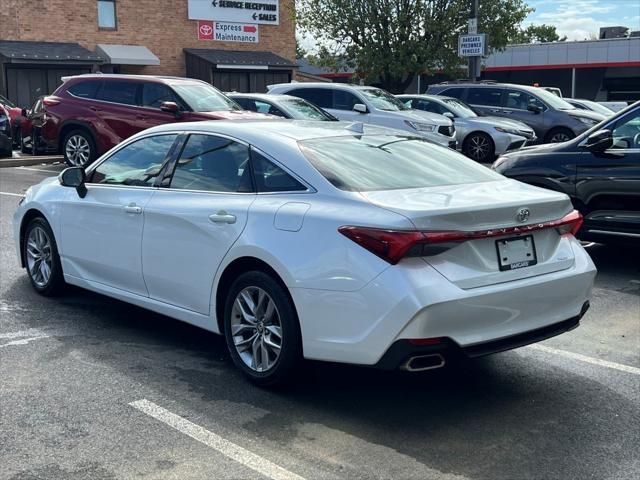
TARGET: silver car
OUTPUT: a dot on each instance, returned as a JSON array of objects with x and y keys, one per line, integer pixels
[
  {"x": 479, "y": 138},
  {"x": 285, "y": 106}
]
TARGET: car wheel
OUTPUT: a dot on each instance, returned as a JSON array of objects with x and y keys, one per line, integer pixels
[
  {"x": 558, "y": 135},
  {"x": 479, "y": 147},
  {"x": 78, "y": 148},
  {"x": 262, "y": 330},
  {"x": 41, "y": 258}
]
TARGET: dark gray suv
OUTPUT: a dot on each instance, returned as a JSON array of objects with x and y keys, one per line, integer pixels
[{"x": 552, "y": 118}]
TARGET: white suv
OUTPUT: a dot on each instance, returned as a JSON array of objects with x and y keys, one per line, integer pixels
[{"x": 372, "y": 105}]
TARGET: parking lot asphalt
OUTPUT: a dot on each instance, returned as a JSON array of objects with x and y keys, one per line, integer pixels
[{"x": 92, "y": 388}]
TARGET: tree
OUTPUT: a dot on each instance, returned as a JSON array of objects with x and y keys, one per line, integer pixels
[
  {"x": 537, "y": 34},
  {"x": 390, "y": 41}
]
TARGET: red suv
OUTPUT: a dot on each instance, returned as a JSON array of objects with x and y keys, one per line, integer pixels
[{"x": 89, "y": 114}]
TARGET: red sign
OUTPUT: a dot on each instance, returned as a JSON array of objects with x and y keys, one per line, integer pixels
[
  {"x": 205, "y": 30},
  {"x": 249, "y": 28}
]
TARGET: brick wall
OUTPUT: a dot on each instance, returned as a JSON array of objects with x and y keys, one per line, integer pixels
[{"x": 160, "y": 25}]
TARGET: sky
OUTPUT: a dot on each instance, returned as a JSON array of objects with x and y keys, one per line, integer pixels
[{"x": 581, "y": 19}]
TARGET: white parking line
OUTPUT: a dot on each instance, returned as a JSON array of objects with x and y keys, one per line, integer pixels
[
  {"x": 586, "y": 359},
  {"x": 37, "y": 170},
  {"x": 12, "y": 194},
  {"x": 21, "y": 333},
  {"x": 23, "y": 341},
  {"x": 210, "y": 439}
]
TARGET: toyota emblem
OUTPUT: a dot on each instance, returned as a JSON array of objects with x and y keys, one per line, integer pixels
[{"x": 523, "y": 215}]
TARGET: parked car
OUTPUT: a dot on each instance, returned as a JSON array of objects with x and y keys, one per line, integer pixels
[
  {"x": 6, "y": 149},
  {"x": 479, "y": 138},
  {"x": 89, "y": 114},
  {"x": 373, "y": 106},
  {"x": 582, "y": 104},
  {"x": 15, "y": 116},
  {"x": 29, "y": 128},
  {"x": 551, "y": 117},
  {"x": 285, "y": 106},
  {"x": 599, "y": 170},
  {"x": 615, "y": 106},
  {"x": 311, "y": 239},
  {"x": 555, "y": 90}
]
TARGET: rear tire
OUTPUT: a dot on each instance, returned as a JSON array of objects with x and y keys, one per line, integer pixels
[
  {"x": 262, "y": 330},
  {"x": 79, "y": 148},
  {"x": 558, "y": 135},
  {"x": 41, "y": 258},
  {"x": 479, "y": 146}
]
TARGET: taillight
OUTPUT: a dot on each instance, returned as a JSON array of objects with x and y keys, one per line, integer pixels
[
  {"x": 393, "y": 245},
  {"x": 50, "y": 101}
]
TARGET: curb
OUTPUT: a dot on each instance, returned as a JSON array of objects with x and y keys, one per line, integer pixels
[{"x": 27, "y": 161}]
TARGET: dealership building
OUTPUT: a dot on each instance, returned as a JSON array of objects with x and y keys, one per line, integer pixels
[{"x": 233, "y": 45}]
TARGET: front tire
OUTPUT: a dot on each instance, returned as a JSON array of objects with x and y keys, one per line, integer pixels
[
  {"x": 558, "y": 135},
  {"x": 41, "y": 258},
  {"x": 79, "y": 148},
  {"x": 479, "y": 147},
  {"x": 262, "y": 330}
]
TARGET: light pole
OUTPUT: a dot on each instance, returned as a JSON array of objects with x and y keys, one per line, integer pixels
[{"x": 474, "y": 62}]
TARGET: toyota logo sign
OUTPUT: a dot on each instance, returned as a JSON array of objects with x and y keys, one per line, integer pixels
[{"x": 523, "y": 215}]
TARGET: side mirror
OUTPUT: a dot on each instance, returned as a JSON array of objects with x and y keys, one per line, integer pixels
[
  {"x": 170, "y": 107},
  {"x": 449, "y": 115},
  {"x": 599, "y": 141},
  {"x": 534, "y": 108},
  {"x": 360, "y": 108},
  {"x": 74, "y": 177}
]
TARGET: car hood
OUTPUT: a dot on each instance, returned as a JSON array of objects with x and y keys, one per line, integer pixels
[
  {"x": 421, "y": 116},
  {"x": 232, "y": 115},
  {"x": 498, "y": 122}
]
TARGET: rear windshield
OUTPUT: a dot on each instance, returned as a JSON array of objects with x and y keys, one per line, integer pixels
[
  {"x": 390, "y": 162},
  {"x": 305, "y": 110}
]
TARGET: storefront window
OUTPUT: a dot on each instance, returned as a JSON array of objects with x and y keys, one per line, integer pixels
[{"x": 107, "y": 14}]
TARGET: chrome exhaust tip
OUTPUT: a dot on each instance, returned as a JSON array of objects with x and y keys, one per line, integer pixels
[{"x": 420, "y": 363}]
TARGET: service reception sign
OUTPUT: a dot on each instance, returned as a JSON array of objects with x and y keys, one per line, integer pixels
[
  {"x": 472, "y": 45},
  {"x": 265, "y": 12}
]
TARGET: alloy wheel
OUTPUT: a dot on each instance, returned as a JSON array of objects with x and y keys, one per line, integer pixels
[
  {"x": 256, "y": 329},
  {"x": 77, "y": 150},
  {"x": 560, "y": 137},
  {"x": 479, "y": 147},
  {"x": 39, "y": 256}
]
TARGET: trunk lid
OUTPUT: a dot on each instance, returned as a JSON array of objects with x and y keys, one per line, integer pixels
[{"x": 484, "y": 206}]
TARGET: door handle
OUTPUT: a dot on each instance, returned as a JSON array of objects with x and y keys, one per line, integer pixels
[
  {"x": 222, "y": 217},
  {"x": 132, "y": 208}
]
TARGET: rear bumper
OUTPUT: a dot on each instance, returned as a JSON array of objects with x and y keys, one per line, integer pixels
[
  {"x": 412, "y": 300},
  {"x": 402, "y": 350}
]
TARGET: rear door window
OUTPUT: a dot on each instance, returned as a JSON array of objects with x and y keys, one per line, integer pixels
[
  {"x": 485, "y": 96},
  {"x": 322, "y": 97},
  {"x": 214, "y": 164},
  {"x": 119, "y": 91},
  {"x": 85, "y": 89}
]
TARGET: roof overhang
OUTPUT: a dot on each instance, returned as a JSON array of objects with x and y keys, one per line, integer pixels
[{"x": 126, "y": 54}]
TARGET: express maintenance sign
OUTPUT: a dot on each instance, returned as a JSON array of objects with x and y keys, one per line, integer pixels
[
  {"x": 472, "y": 45},
  {"x": 266, "y": 12}
]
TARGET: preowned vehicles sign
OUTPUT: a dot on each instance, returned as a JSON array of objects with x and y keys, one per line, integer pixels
[
  {"x": 472, "y": 45},
  {"x": 227, "y": 32},
  {"x": 265, "y": 12}
]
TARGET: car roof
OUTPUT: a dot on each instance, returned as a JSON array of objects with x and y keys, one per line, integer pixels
[
  {"x": 334, "y": 86},
  {"x": 446, "y": 85},
  {"x": 437, "y": 98},
  {"x": 262, "y": 96},
  {"x": 148, "y": 78}
]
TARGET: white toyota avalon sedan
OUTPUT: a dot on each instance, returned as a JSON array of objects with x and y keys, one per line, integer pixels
[{"x": 317, "y": 240}]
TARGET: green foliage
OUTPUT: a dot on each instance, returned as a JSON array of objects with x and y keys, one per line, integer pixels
[
  {"x": 537, "y": 34},
  {"x": 390, "y": 41}
]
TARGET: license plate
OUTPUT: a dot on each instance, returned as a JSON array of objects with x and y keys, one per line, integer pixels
[{"x": 516, "y": 253}]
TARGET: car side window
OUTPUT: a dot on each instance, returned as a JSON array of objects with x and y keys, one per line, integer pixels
[
  {"x": 485, "y": 96},
  {"x": 136, "y": 164},
  {"x": 271, "y": 178},
  {"x": 155, "y": 94},
  {"x": 521, "y": 100},
  {"x": 213, "y": 164},
  {"x": 118, "y": 91},
  {"x": 455, "y": 92},
  {"x": 344, "y": 100},
  {"x": 626, "y": 132},
  {"x": 321, "y": 97},
  {"x": 85, "y": 89},
  {"x": 429, "y": 106}
]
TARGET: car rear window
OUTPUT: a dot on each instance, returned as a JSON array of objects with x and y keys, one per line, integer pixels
[
  {"x": 389, "y": 162},
  {"x": 86, "y": 89}
]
